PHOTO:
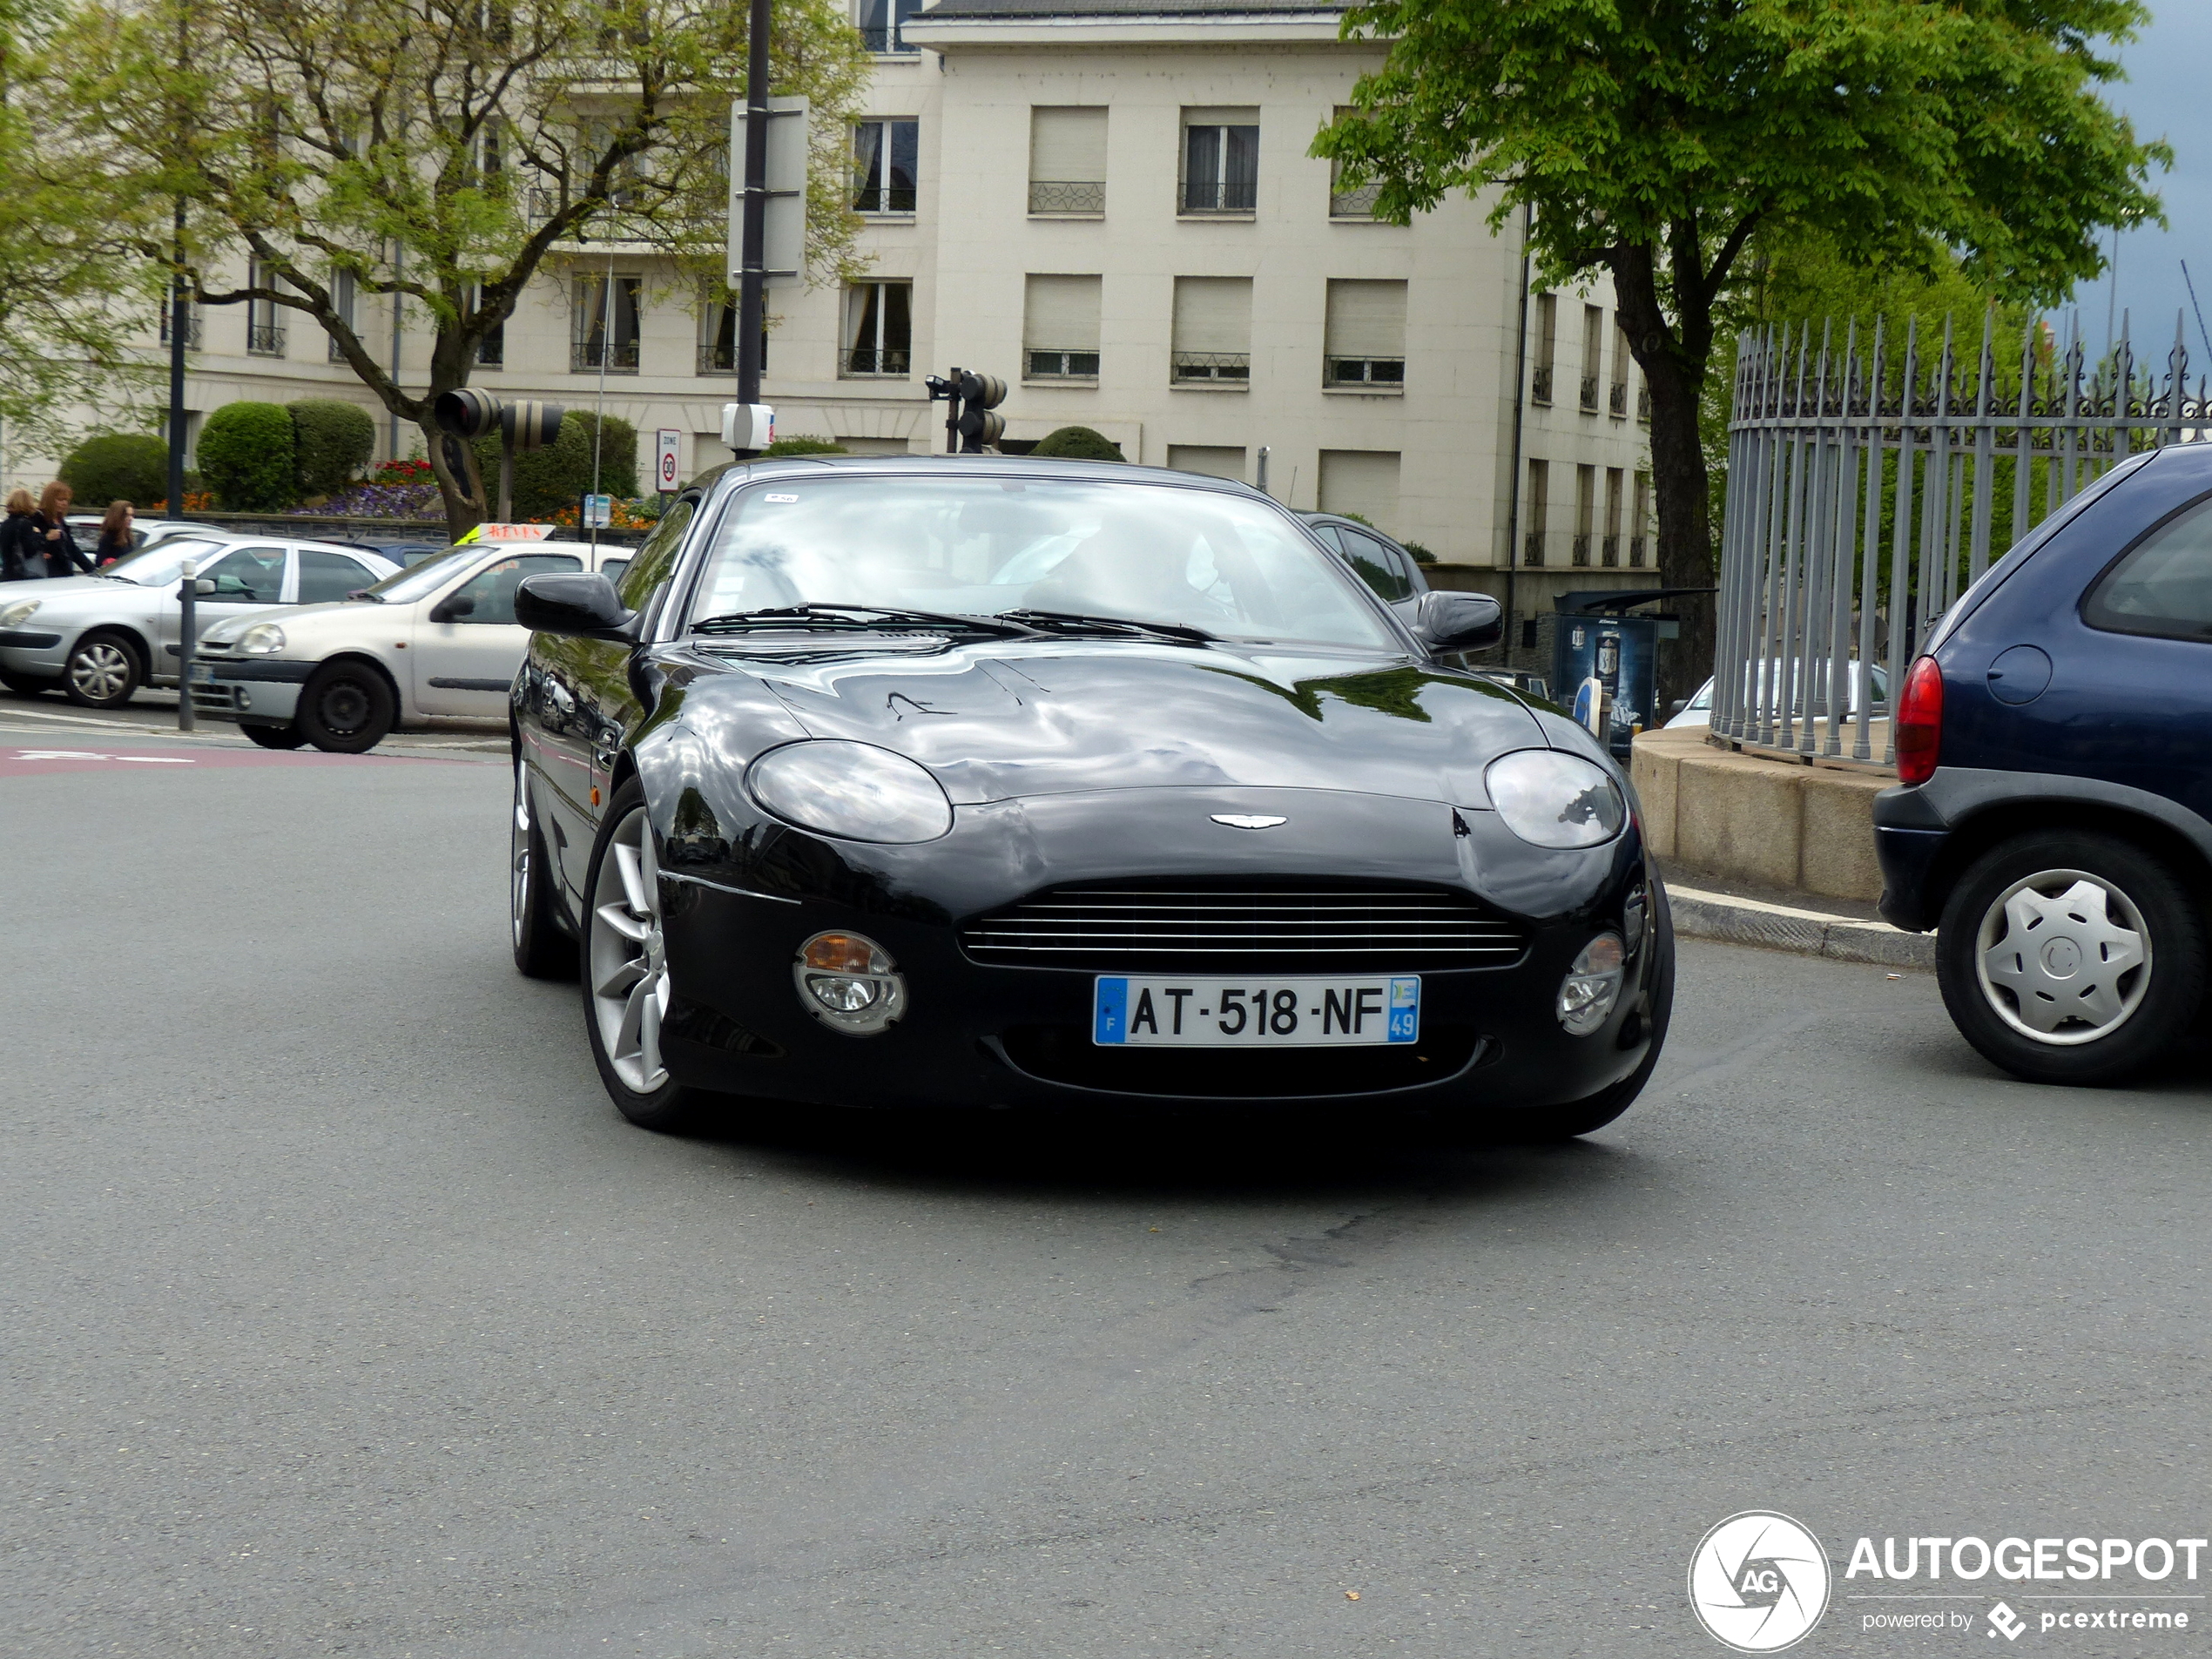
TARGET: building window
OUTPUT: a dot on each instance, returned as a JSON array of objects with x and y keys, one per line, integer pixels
[
  {"x": 1364, "y": 344},
  {"x": 1220, "y": 161},
  {"x": 1540, "y": 379},
  {"x": 1067, "y": 162},
  {"x": 1060, "y": 329},
  {"x": 1639, "y": 518},
  {"x": 884, "y": 165},
  {"x": 1213, "y": 461},
  {"x": 1356, "y": 201},
  {"x": 604, "y": 327},
  {"x": 879, "y": 328},
  {"x": 1213, "y": 332},
  {"x": 1593, "y": 347},
  {"x": 191, "y": 322},
  {"x": 1363, "y": 482},
  {"x": 264, "y": 333},
  {"x": 345, "y": 299},
  {"x": 491, "y": 347},
  {"x": 1610, "y": 549},
  {"x": 882, "y": 22},
  {"x": 1585, "y": 512},
  {"x": 1616, "y": 400},
  {"x": 1533, "y": 533},
  {"x": 719, "y": 332}
]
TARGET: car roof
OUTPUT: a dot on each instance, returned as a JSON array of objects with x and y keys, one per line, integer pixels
[{"x": 739, "y": 472}]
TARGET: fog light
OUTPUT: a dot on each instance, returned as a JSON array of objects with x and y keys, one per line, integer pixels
[
  {"x": 1592, "y": 986},
  {"x": 849, "y": 981},
  {"x": 1633, "y": 912}
]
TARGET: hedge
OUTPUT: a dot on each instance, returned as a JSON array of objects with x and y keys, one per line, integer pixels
[
  {"x": 333, "y": 442},
  {"x": 560, "y": 475},
  {"x": 246, "y": 456},
  {"x": 1077, "y": 443},
  {"x": 800, "y": 444},
  {"x": 119, "y": 466}
]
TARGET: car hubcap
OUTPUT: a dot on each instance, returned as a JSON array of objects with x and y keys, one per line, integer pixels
[
  {"x": 628, "y": 965},
  {"x": 345, "y": 708},
  {"x": 100, "y": 671},
  {"x": 2063, "y": 957},
  {"x": 518, "y": 888}
]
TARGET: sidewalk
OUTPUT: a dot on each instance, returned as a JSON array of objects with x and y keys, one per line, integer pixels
[{"x": 1709, "y": 906}]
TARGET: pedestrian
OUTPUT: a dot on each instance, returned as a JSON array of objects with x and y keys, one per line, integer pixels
[
  {"x": 51, "y": 532},
  {"x": 17, "y": 561},
  {"x": 115, "y": 539}
]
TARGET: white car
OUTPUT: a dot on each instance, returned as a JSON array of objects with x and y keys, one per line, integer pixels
[
  {"x": 437, "y": 641},
  {"x": 1698, "y": 711},
  {"x": 99, "y": 638}
]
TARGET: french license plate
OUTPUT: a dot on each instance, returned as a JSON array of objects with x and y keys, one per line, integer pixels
[
  {"x": 203, "y": 673},
  {"x": 1255, "y": 1013}
]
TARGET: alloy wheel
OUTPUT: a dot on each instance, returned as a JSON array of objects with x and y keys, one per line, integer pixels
[
  {"x": 627, "y": 963},
  {"x": 100, "y": 671},
  {"x": 2063, "y": 957}
]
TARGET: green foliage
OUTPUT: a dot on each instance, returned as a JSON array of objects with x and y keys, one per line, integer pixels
[
  {"x": 1077, "y": 443},
  {"x": 560, "y": 475},
  {"x": 800, "y": 444},
  {"x": 1421, "y": 555},
  {"x": 246, "y": 455},
  {"x": 332, "y": 442},
  {"x": 118, "y": 465}
]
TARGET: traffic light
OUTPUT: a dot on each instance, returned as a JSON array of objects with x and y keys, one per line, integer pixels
[
  {"x": 972, "y": 419},
  {"x": 530, "y": 424},
  {"x": 467, "y": 413}
]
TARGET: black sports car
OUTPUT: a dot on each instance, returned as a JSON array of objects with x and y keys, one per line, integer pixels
[{"x": 1006, "y": 782}]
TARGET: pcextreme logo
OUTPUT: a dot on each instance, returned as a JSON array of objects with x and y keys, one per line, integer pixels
[{"x": 1759, "y": 1582}]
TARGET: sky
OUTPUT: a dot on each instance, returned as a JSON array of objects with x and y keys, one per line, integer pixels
[{"x": 2167, "y": 68}]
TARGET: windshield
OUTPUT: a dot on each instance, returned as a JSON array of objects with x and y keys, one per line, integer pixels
[
  {"x": 403, "y": 587},
  {"x": 164, "y": 562},
  {"x": 983, "y": 547}
]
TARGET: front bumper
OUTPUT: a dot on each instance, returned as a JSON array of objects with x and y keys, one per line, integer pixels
[{"x": 248, "y": 691}]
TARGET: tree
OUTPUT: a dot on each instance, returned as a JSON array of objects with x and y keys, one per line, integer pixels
[
  {"x": 1077, "y": 443},
  {"x": 1652, "y": 140},
  {"x": 444, "y": 151}
]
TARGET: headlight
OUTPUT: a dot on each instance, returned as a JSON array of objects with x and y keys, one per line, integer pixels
[
  {"x": 853, "y": 790},
  {"x": 1554, "y": 800},
  {"x": 260, "y": 640},
  {"x": 14, "y": 616},
  {"x": 1592, "y": 986}
]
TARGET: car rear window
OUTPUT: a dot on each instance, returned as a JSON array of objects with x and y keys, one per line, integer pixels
[{"x": 2163, "y": 586}]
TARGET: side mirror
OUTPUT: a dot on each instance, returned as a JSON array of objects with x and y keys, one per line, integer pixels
[
  {"x": 453, "y": 608},
  {"x": 203, "y": 584},
  {"x": 1676, "y": 706},
  {"x": 583, "y": 605},
  {"x": 1446, "y": 621}
]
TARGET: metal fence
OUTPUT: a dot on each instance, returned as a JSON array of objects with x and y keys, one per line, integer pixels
[{"x": 1869, "y": 482}]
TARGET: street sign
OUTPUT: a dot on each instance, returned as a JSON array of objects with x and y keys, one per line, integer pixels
[
  {"x": 599, "y": 512},
  {"x": 665, "y": 475},
  {"x": 784, "y": 252}
]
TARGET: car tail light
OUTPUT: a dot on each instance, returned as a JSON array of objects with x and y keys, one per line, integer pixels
[{"x": 1919, "y": 723}]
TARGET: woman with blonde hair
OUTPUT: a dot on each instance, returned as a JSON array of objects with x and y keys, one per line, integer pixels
[
  {"x": 49, "y": 528},
  {"x": 18, "y": 562}
]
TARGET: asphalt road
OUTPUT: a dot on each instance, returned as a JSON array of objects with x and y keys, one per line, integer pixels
[{"x": 342, "y": 1315}]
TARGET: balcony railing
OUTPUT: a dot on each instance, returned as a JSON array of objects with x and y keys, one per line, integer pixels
[
  {"x": 1539, "y": 385},
  {"x": 265, "y": 339},
  {"x": 585, "y": 356},
  {"x": 1581, "y": 555},
  {"x": 1086, "y": 196},
  {"x": 1532, "y": 547},
  {"x": 1381, "y": 374},
  {"x": 1644, "y": 404},
  {"x": 876, "y": 359},
  {"x": 191, "y": 327},
  {"x": 1616, "y": 402},
  {"x": 1062, "y": 365},
  {"x": 1590, "y": 394},
  {"x": 883, "y": 40},
  {"x": 885, "y": 198},
  {"x": 1220, "y": 195},
  {"x": 1635, "y": 552},
  {"x": 1211, "y": 368},
  {"x": 1357, "y": 203},
  {"x": 1609, "y": 551}
]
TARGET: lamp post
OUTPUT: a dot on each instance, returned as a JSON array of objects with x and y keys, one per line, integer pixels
[{"x": 752, "y": 278}]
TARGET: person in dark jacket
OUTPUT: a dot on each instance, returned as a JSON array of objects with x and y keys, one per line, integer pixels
[
  {"x": 49, "y": 528},
  {"x": 18, "y": 562},
  {"x": 116, "y": 538}
]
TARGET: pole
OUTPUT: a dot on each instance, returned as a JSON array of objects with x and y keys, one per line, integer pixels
[
  {"x": 398, "y": 269},
  {"x": 752, "y": 278},
  {"x": 187, "y": 619},
  {"x": 1520, "y": 397},
  {"x": 1263, "y": 469},
  {"x": 599, "y": 414},
  {"x": 507, "y": 476},
  {"x": 179, "y": 320}
]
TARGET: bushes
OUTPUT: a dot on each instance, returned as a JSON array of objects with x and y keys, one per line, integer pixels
[
  {"x": 556, "y": 476},
  {"x": 800, "y": 444},
  {"x": 121, "y": 466},
  {"x": 1077, "y": 443},
  {"x": 246, "y": 456},
  {"x": 332, "y": 442}
]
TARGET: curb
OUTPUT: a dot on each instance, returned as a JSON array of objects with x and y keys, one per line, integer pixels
[{"x": 1811, "y": 932}]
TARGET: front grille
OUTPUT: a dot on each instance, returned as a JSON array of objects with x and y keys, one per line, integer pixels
[
  {"x": 1235, "y": 926},
  {"x": 217, "y": 699},
  {"x": 1066, "y": 1054}
]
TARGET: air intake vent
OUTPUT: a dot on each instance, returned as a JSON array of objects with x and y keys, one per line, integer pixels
[{"x": 1295, "y": 926}]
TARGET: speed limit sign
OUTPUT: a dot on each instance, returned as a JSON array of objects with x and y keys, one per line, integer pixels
[{"x": 664, "y": 462}]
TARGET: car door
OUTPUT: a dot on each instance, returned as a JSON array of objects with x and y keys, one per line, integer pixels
[
  {"x": 249, "y": 578},
  {"x": 468, "y": 644}
]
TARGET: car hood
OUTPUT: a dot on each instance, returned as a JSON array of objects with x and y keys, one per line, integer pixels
[
  {"x": 998, "y": 720},
  {"x": 61, "y": 595}
]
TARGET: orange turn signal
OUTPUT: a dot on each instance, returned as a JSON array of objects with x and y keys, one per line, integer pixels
[{"x": 839, "y": 953}]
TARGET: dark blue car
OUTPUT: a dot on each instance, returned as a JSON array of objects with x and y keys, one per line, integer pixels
[{"x": 2054, "y": 817}]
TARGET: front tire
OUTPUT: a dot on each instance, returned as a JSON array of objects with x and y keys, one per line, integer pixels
[
  {"x": 273, "y": 737},
  {"x": 541, "y": 950},
  {"x": 346, "y": 708},
  {"x": 625, "y": 972},
  {"x": 102, "y": 672},
  {"x": 2069, "y": 956}
]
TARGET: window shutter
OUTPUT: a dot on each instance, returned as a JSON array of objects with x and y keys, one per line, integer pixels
[
  {"x": 1367, "y": 320},
  {"x": 1213, "y": 313},
  {"x": 1062, "y": 313},
  {"x": 1363, "y": 482},
  {"x": 1067, "y": 145}
]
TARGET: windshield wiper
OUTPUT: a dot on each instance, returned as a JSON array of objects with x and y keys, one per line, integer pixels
[
  {"x": 1078, "y": 621},
  {"x": 822, "y": 618}
]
